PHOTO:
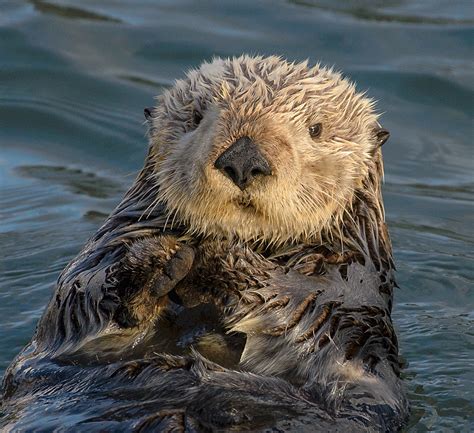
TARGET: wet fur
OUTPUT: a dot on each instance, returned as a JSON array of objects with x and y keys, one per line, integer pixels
[{"x": 298, "y": 270}]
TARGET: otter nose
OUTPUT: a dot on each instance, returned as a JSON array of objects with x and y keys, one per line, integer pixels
[{"x": 242, "y": 162}]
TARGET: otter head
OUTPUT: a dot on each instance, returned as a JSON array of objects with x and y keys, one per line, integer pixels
[{"x": 261, "y": 149}]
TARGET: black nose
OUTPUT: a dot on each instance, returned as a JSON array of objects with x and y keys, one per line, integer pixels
[{"x": 242, "y": 162}]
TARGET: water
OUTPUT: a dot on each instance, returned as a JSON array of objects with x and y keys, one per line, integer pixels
[{"x": 75, "y": 76}]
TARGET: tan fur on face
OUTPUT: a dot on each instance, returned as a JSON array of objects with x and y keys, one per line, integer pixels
[{"x": 274, "y": 103}]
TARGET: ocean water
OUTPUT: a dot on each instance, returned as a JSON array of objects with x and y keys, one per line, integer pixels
[{"x": 76, "y": 74}]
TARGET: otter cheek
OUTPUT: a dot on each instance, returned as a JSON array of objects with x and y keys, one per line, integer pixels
[{"x": 333, "y": 172}]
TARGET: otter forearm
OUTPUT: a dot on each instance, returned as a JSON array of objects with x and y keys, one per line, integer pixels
[
  {"x": 337, "y": 345},
  {"x": 125, "y": 286},
  {"x": 339, "y": 320}
]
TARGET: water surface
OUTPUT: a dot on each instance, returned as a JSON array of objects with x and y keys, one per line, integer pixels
[{"x": 75, "y": 76}]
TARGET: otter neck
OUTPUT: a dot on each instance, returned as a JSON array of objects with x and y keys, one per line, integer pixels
[{"x": 363, "y": 223}]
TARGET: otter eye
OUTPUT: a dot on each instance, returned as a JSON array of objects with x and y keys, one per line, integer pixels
[
  {"x": 315, "y": 130},
  {"x": 197, "y": 117}
]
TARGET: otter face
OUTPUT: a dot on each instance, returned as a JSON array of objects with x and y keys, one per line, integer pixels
[{"x": 261, "y": 149}]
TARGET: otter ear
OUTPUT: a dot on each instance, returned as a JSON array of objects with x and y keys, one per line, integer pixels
[
  {"x": 148, "y": 112},
  {"x": 381, "y": 136}
]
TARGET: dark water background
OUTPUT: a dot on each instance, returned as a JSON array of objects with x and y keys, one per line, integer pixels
[{"x": 75, "y": 76}]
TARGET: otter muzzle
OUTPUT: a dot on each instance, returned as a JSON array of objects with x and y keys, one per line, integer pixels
[{"x": 242, "y": 162}]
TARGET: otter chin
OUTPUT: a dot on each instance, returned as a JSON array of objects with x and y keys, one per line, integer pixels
[{"x": 244, "y": 282}]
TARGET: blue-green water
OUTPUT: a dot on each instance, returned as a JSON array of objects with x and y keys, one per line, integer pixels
[{"x": 75, "y": 76}]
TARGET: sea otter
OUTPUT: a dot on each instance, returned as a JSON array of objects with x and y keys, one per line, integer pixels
[{"x": 244, "y": 282}]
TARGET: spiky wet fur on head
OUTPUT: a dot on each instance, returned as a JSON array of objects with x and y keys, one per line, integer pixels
[{"x": 314, "y": 181}]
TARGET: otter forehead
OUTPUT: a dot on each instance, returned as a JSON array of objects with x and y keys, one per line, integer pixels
[
  {"x": 252, "y": 87},
  {"x": 259, "y": 147}
]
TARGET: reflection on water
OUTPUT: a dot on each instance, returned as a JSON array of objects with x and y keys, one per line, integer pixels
[
  {"x": 75, "y": 76},
  {"x": 69, "y": 11},
  {"x": 75, "y": 180},
  {"x": 435, "y": 12}
]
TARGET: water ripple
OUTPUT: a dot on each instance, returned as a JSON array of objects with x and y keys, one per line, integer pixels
[
  {"x": 70, "y": 12},
  {"x": 374, "y": 10}
]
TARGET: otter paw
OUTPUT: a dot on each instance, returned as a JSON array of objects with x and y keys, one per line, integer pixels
[
  {"x": 155, "y": 265},
  {"x": 173, "y": 271}
]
